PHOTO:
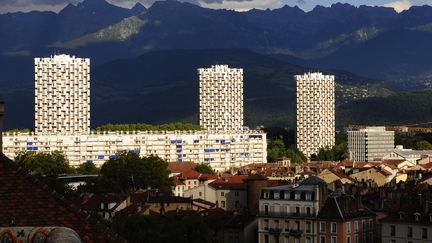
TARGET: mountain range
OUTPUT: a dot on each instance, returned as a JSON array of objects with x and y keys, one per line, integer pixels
[{"x": 145, "y": 59}]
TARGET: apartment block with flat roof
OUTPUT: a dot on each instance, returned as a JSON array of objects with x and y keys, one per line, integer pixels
[
  {"x": 221, "y": 98},
  {"x": 315, "y": 112},
  {"x": 62, "y": 95}
]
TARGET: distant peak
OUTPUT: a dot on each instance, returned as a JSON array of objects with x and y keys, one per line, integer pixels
[
  {"x": 94, "y": 3},
  {"x": 138, "y": 7}
]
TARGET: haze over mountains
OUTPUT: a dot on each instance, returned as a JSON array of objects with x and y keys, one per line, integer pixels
[{"x": 381, "y": 51}]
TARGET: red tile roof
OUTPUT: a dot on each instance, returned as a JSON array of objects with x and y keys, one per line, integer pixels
[
  {"x": 179, "y": 167},
  {"x": 192, "y": 174},
  {"x": 236, "y": 182},
  {"x": 26, "y": 201}
]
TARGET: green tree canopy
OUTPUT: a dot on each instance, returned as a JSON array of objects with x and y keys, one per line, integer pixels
[
  {"x": 128, "y": 172},
  {"x": 87, "y": 168},
  {"x": 275, "y": 149},
  {"x": 49, "y": 164},
  {"x": 204, "y": 168},
  {"x": 423, "y": 145},
  {"x": 148, "y": 127}
]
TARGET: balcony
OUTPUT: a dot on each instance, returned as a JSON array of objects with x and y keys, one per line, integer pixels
[
  {"x": 294, "y": 232},
  {"x": 274, "y": 231}
]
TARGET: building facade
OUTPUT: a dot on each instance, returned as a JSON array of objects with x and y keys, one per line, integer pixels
[
  {"x": 62, "y": 95},
  {"x": 221, "y": 98},
  {"x": 220, "y": 150},
  {"x": 288, "y": 213},
  {"x": 315, "y": 112},
  {"x": 370, "y": 144},
  {"x": 407, "y": 228}
]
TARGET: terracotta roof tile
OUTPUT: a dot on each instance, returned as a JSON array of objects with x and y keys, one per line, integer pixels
[{"x": 26, "y": 201}]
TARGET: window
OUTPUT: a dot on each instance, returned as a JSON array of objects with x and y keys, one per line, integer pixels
[
  {"x": 236, "y": 194},
  {"x": 287, "y": 211},
  {"x": 356, "y": 226},
  {"x": 308, "y": 196},
  {"x": 297, "y": 196},
  {"x": 297, "y": 225},
  {"x": 276, "y": 224},
  {"x": 266, "y": 195},
  {"x": 286, "y": 225},
  {"x": 333, "y": 227},
  {"x": 410, "y": 232},
  {"x": 322, "y": 227},
  {"x": 308, "y": 227},
  {"x": 308, "y": 211},
  {"x": 266, "y": 224},
  {"x": 356, "y": 239},
  {"x": 266, "y": 210},
  {"x": 348, "y": 225},
  {"x": 297, "y": 212},
  {"x": 223, "y": 204},
  {"x": 392, "y": 230},
  {"x": 333, "y": 239},
  {"x": 322, "y": 239},
  {"x": 424, "y": 233},
  {"x": 222, "y": 194},
  {"x": 200, "y": 194},
  {"x": 276, "y": 195},
  {"x": 266, "y": 239},
  {"x": 392, "y": 241},
  {"x": 308, "y": 240},
  {"x": 297, "y": 240},
  {"x": 370, "y": 225},
  {"x": 286, "y": 239},
  {"x": 348, "y": 239}
]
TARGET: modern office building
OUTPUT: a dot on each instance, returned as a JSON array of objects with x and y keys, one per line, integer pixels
[
  {"x": 220, "y": 150},
  {"x": 370, "y": 144},
  {"x": 315, "y": 105},
  {"x": 62, "y": 95},
  {"x": 221, "y": 98}
]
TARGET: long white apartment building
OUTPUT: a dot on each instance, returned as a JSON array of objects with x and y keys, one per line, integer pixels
[
  {"x": 220, "y": 150},
  {"x": 221, "y": 98},
  {"x": 370, "y": 143},
  {"x": 315, "y": 112},
  {"x": 62, "y": 95}
]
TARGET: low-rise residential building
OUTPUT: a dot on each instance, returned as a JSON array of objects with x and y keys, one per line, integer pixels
[
  {"x": 404, "y": 227},
  {"x": 288, "y": 213},
  {"x": 343, "y": 219},
  {"x": 221, "y": 150},
  {"x": 413, "y": 156},
  {"x": 373, "y": 175}
]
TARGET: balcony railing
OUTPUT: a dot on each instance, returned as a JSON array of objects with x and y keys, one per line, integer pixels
[{"x": 285, "y": 215}]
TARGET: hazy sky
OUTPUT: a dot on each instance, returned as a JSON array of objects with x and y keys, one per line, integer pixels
[{"x": 56, "y": 5}]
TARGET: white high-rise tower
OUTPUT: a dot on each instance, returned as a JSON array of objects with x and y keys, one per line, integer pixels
[
  {"x": 315, "y": 112},
  {"x": 221, "y": 98},
  {"x": 62, "y": 95}
]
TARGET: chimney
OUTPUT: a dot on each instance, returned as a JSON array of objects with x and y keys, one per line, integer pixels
[{"x": 1, "y": 126}]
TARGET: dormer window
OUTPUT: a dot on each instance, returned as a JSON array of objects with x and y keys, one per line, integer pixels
[
  {"x": 308, "y": 196},
  {"x": 276, "y": 195},
  {"x": 401, "y": 215},
  {"x": 417, "y": 216},
  {"x": 297, "y": 196},
  {"x": 430, "y": 218},
  {"x": 266, "y": 195}
]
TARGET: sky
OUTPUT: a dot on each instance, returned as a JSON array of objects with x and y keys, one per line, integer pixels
[{"x": 240, "y": 5}]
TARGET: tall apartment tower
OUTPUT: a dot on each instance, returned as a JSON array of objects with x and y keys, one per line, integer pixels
[
  {"x": 221, "y": 98},
  {"x": 62, "y": 95},
  {"x": 370, "y": 143},
  {"x": 315, "y": 112}
]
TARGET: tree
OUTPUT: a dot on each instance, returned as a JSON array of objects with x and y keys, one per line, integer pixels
[
  {"x": 204, "y": 168},
  {"x": 295, "y": 155},
  {"x": 423, "y": 145},
  {"x": 275, "y": 149},
  {"x": 128, "y": 172},
  {"x": 49, "y": 164},
  {"x": 87, "y": 168}
]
